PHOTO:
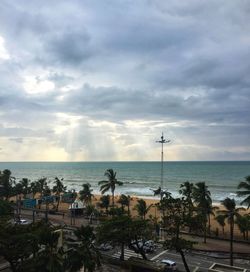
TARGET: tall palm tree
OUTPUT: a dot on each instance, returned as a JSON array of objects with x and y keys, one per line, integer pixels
[
  {"x": 221, "y": 221},
  {"x": 104, "y": 202},
  {"x": 202, "y": 198},
  {"x": 25, "y": 186},
  {"x": 84, "y": 254},
  {"x": 186, "y": 189},
  {"x": 142, "y": 208},
  {"x": 6, "y": 182},
  {"x": 110, "y": 184},
  {"x": 246, "y": 186},
  {"x": 124, "y": 200},
  {"x": 58, "y": 189},
  {"x": 230, "y": 212},
  {"x": 51, "y": 257},
  {"x": 42, "y": 182},
  {"x": 34, "y": 188},
  {"x": 243, "y": 223},
  {"x": 86, "y": 193}
]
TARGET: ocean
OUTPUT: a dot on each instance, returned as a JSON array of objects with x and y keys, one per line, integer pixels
[{"x": 221, "y": 177}]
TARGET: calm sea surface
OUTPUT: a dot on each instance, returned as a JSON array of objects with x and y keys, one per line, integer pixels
[{"x": 139, "y": 178}]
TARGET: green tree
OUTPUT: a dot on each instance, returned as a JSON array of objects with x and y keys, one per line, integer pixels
[
  {"x": 84, "y": 254},
  {"x": 221, "y": 221},
  {"x": 173, "y": 223},
  {"x": 17, "y": 243},
  {"x": 6, "y": 182},
  {"x": 41, "y": 183},
  {"x": 186, "y": 189},
  {"x": 142, "y": 208},
  {"x": 245, "y": 185},
  {"x": 58, "y": 189},
  {"x": 34, "y": 188},
  {"x": 6, "y": 210},
  {"x": 50, "y": 257},
  {"x": 124, "y": 200},
  {"x": 141, "y": 230},
  {"x": 86, "y": 193},
  {"x": 25, "y": 183},
  {"x": 115, "y": 230},
  {"x": 243, "y": 223},
  {"x": 230, "y": 212},
  {"x": 105, "y": 202},
  {"x": 202, "y": 198},
  {"x": 110, "y": 184},
  {"x": 91, "y": 212}
]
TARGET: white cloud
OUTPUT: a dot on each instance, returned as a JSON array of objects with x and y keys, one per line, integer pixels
[
  {"x": 35, "y": 85},
  {"x": 3, "y": 51}
]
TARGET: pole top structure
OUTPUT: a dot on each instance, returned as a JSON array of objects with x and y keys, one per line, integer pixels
[{"x": 163, "y": 141}]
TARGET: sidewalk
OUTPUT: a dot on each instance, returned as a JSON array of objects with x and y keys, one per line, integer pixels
[{"x": 219, "y": 245}]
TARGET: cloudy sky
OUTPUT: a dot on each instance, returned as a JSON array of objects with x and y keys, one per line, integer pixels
[{"x": 101, "y": 80}]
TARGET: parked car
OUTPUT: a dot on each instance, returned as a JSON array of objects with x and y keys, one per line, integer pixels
[
  {"x": 22, "y": 222},
  {"x": 105, "y": 246},
  {"x": 170, "y": 265},
  {"x": 146, "y": 246}
]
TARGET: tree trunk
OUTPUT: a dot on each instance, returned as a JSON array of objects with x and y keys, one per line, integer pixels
[
  {"x": 231, "y": 239},
  {"x": 184, "y": 260},
  {"x": 205, "y": 232},
  {"x": 58, "y": 201},
  {"x": 209, "y": 225},
  {"x": 122, "y": 252},
  {"x": 128, "y": 210},
  {"x": 113, "y": 199}
]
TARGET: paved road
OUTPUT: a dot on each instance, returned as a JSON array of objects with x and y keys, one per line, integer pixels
[{"x": 197, "y": 262}]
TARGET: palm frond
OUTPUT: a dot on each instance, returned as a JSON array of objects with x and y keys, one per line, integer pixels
[
  {"x": 119, "y": 182},
  {"x": 102, "y": 182}
]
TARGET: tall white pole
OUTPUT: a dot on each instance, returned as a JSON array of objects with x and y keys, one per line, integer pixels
[{"x": 162, "y": 141}]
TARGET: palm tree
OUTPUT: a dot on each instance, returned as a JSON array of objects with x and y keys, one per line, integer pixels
[
  {"x": 41, "y": 183},
  {"x": 124, "y": 200},
  {"x": 230, "y": 212},
  {"x": 86, "y": 193},
  {"x": 91, "y": 211},
  {"x": 58, "y": 189},
  {"x": 202, "y": 198},
  {"x": 25, "y": 186},
  {"x": 186, "y": 189},
  {"x": 84, "y": 254},
  {"x": 51, "y": 257},
  {"x": 34, "y": 188},
  {"x": 110, "y": 184},
  {"x": 221, "y": 221},
  {"x": 243, "y": 223},
  {"x": 104, "y": 202},
  {"x": 245, "y": 185},
  {"x": 142, "y": 208},
  {"x": 6, "y": 182},
  {"x": 162, "y": 193}
]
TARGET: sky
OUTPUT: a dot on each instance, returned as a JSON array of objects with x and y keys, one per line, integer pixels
[{"x": 101, "y": 80}]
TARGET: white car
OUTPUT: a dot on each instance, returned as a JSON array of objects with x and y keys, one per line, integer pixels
[
  {"x": 169, "y": 264},
  {"x": 105, "y": 246},
  {"x": 22, "y": 222}
]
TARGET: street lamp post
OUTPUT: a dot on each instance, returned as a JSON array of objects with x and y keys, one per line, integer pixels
[{"x": 162, "y": 142}]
